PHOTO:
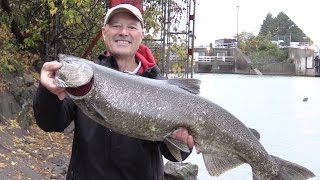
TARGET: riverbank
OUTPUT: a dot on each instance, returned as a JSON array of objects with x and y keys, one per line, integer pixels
[{"x": 33, "y": 153}]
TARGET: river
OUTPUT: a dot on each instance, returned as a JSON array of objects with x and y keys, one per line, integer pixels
[{"x": 273, "y": 105}]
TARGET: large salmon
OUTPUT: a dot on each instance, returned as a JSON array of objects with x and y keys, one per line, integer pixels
[{"x": 152, "y": 110}]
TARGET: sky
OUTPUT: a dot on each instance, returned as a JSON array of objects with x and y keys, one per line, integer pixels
[{"x": 218, "y": 19}]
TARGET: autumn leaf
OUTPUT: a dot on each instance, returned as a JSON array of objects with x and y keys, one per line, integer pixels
[
  {"x": 2, "y": 165},
  {"x": 53, "y": 11},
  {"x": 53, "y": 8}
]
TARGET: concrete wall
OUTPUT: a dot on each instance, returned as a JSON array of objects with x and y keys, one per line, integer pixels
[
  {"x": 302, "y": 63},
  {"x": 278, "y": 69},
  {"x": 303, "y": 58}
]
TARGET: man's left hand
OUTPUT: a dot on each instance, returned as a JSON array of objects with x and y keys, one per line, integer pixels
[{"x": 182, "y": 134}]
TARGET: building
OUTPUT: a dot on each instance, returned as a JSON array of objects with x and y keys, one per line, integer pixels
[
  {"x": 214, "y": 59},
  {"x": 224, "y": 58},
  {"x": 226, "y": 43}
]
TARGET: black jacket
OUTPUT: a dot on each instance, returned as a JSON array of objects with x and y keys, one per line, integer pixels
[{"x": 97, "y": 152}]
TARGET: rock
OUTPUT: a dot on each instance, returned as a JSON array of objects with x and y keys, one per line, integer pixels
[
  {"x": 180, "y": 171},
  {"x": 59, "y": 172},
  {"x": 60, "y": 166},
  {"x": 28, "y": 80},
  {"x": 16, "y": 99},
  {"x": 9, "y": 108}
]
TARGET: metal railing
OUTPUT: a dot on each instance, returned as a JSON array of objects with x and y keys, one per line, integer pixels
[{"x": 213, "y": 58}]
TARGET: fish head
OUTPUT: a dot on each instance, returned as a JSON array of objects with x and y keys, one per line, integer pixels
[{"x": 73, "y": 73}]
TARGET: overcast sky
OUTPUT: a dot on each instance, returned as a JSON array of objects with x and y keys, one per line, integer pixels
[{"x": 218, "y": 19}]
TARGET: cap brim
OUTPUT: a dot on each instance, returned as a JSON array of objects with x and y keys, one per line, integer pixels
[{"x": 124, "y": 8}]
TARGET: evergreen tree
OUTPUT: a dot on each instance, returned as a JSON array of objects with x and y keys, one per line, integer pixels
[
  {"x": 268, "y": 26},
  {"x": 281, "y": 28}
]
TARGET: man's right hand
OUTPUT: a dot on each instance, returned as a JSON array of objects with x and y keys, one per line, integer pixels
[{"x": 47, "y": 78}]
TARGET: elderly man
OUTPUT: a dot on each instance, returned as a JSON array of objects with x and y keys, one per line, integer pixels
[{"x": 98, "y": 152}]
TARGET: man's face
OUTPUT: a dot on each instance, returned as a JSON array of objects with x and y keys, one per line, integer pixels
[{"x": 123, "y": 34}]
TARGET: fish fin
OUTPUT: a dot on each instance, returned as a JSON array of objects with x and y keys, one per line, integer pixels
[
  {"x": 175, "y": 147},
  {"x": 99, "y": 117},
  {"x": 190, "y": 85},
  {"x": 95, "y": 113},
  {"x": 255, "y": 133},
  {"x": 176, "y": 153},
  {"x": 177, "y": 144},
  {"x": 254, "y": 177},
  {"x": 220, "y": 162},
  {"x": 289, "y": 170}
]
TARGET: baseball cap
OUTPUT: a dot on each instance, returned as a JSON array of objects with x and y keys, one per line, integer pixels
[{"x": 124, "y": 8}]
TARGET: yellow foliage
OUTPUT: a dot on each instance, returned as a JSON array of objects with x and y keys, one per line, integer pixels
[
  {"x": 53, "y": 11},
  {"x": 53, "y": 8},
  {"x": 12, "y": 59}
]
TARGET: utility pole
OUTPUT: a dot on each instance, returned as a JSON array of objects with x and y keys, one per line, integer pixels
[
  {"x": 236, "y": 48},
  {"x": 237, "y": 25},
  {"x": 190, "y": 36}
]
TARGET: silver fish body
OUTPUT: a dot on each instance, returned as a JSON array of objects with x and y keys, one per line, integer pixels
[{"x": 152, "y": 109}]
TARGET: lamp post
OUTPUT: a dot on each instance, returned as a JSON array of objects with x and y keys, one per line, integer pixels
[
  {"x": 237, "y": 25},
  {"x": 236, "y": 49}
]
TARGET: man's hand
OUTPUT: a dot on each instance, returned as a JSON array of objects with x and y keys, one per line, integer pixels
[
  {"x": 47, "y": 77},
  {"x": 183, "y": 135}
]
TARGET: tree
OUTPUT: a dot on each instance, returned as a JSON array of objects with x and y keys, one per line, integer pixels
[
  {"x": 260, "y": 49},
  {"x": 281, "y": 28},
  {"x": 49, "y": 27},
  {"x": 268, "y": 26}
]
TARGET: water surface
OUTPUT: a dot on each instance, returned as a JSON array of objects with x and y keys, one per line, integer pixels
[{"x": 273, "y": 105}]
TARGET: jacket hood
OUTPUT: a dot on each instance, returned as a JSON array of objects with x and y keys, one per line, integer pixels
[{"x": 144, "y": 54}]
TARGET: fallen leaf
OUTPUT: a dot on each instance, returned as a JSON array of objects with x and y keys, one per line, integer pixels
[{"x": 2, "y": 165}]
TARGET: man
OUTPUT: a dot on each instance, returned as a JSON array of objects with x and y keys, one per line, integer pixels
[{"x": 97, "y": 152}]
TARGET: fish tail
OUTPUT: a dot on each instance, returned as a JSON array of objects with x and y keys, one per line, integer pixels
[{"x": 288, "y": 171}]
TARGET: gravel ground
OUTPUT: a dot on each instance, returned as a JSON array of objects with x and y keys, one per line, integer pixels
[{"x": 33, "y": 153}]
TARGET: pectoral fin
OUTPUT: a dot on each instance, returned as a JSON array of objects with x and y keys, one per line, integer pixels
[
  {"x": 175, "y": 147},
  {"x": 177, "y": 144},
  {"x": 220, "y": 162}
]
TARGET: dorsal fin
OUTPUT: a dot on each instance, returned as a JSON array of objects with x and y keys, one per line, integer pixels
[
  {"x": 190, "y": 85},
  {"x": 255, "y": 133}
]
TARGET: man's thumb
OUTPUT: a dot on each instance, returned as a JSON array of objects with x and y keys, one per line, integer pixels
[{"x": 52, "y": 66}]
